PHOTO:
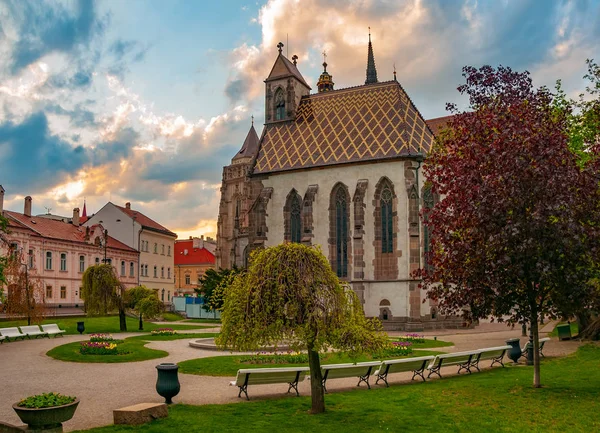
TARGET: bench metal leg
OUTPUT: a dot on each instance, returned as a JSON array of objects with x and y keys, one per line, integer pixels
[
  {"x": 474, "y": 364},
  {"x": 364, "y": 379},
  {"x": 462, "y": 367},
  {"x": 324, "y": 379},
  {"x": 384, "y": 378},
  {"x": 244, "y": 389},
  {"x": 434, "y": 370},
  {"x": 420, "y": 373},
  {"x": 498, "y": 361},
  {"x": 294, "y": 384}
]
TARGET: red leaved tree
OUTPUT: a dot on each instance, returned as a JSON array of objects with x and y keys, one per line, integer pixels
[{"x": 515, "y": 234}]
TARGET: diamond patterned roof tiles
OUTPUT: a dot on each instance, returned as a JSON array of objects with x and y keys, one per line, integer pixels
[{"x": 363, "y": 123}]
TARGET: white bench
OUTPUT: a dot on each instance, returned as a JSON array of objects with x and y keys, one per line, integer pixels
[
  {"x": 52, "y": 329},
  {"x": 33, "y": 331},
  {"x": 416, "y": 365},
  {"x": 496, "y": 354},
  {"x": 362, "y": 370},
  {"x": 12, "y": 333},
  {"x": 542, "y": 342},
  {"x": 264, "y": 376},
  {"x": 462, "y": 359},
  {"x": 2, "y": 337}
]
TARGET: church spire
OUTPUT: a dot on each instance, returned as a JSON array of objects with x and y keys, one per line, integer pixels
[
  {"x": 371, "y": 71},
  {"x": 84, "y": 214},
  {"x": 325, "y": 82}
]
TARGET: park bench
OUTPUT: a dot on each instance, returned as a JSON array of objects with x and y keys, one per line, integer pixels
[
  {"x": 496, "y": 354},
  {"x": 33, "y": 331},
  {"x": 362, "y": 370},
  {"x": 264, "y": 376},
  {"x": 2, "y": 338},
  {"x": 542, "y": 343},
  {"x": 12, "y": 333},
  {"x": 53, "y": 329},
  {"x": 462, "y": 359},
  {"x": 416, "y": 365}
]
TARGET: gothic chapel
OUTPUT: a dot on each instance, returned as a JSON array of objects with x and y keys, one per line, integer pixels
[{"x": 340, "y": 169}]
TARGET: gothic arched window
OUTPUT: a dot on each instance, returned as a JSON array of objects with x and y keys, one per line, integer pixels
[
  {"x": 295, "y": 219},
  {"x": 279, "y": 104},
  {"x": 387, "y": 227},
  {"x": 341, "y": 231}
]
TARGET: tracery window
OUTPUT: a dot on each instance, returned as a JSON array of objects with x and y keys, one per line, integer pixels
[
  {"x": 387, "y": 227},
  {"x": 428, "y": 202},
  {"x": 279, "y": 105},
  {"x": 341, "y": 230}
]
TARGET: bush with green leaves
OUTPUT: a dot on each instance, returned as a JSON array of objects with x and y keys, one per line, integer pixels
[{"x": 50, "y": 399}]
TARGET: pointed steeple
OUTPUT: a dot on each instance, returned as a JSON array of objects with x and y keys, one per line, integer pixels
[
  {"x": 250, "y": 146},
  {"x": 84, "y": 214},
  {"x": 371, "y": 71}
]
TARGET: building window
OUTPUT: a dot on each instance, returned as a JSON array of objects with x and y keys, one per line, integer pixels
[
  {"x": 162, "y": 272},
  {"x": 279, "y": 104},
  {"x": 162, "y": 249},
  {"x": 155, "y": 272},
  {"x": 169, "y": 273},
  {"x": 122, "y": 268},
  {"x": 187, "y": 279},
  {"x": 168, "y": 250},
  {"x": 155, "y": 248},
  {"x": 81, "y": 263},
  {"x": 387, "y": 227},
  {"x": 339, "y": 217},
  {"x": 48, "y": 260},
  {"x": 49, "y": 292},
  {"x": 142, "y": 273},
  {"x": 146, "y": 273},
  {"x": 293, "y": 217},
  {"x": 428, "y": 203},
  {"x": 63, "y": 261},
  {"x": 63, "y": 292},
  {"x": 162, "y": 295},
  {"x": 97, "y": 260},
  {"x": 30, "y": 259},
  {"x": 131, "y": 269},
  {"x": 168, "y": 295}
]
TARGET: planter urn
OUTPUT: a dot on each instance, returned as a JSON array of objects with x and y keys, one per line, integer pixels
[
  {"x": 46, "y": 418},
  {"x": 514, "y": 352},
  {"x": 167, "y": 384},
  {"x": 80, "y": 327}
]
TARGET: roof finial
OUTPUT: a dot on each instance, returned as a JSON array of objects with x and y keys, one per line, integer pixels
[
  {"x": 324, "y": 60},
  {"x": 371, "y": 71},
  {"x": 252, "y": 119},
  {"x": 280, "y": 46},
  {"x": 295, "y": 59},
  {"x": 395, "y": 72}
]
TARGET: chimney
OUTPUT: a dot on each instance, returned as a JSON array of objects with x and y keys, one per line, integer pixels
[
  {"x": 128, "y": 205},
  {"x": 27, "y": 210},
  {"x": 76, "y": 217},
  {"x": 1, "y": 199}
]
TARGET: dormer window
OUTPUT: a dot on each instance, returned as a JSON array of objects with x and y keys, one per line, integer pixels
[{"x": 279, "y": 105}]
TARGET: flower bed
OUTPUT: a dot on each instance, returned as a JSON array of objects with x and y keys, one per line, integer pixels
[
  {"x": 397, "y": 348},
  {"x": 98, "y": 348},
  {"x": 96, "y": 338},
  {"x": 163, "y": 331},
  {"x": 412, "y": 338}
]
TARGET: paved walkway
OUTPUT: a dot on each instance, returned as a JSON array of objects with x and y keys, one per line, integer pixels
[{"x": 26, "y": 370}]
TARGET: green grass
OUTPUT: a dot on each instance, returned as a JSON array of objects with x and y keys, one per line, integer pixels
[
  {"x": 574, "y": 329},
  {"x": 229, "y": 365},
  {"x": 134, "y": 345},
  {"x": 498, "y": 400},
  {"x": 172, "y": 317},
  {"x": 105, "y": 324},
  {"x": 430, "y": 344}
]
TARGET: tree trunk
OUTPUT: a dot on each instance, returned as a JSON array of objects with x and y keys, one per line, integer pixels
[
  {"x": 584, "y": 320},
  {"x": 316, "y": 388},
  {"x": 141, "y": 328},
  {"x": 536, "y": 350},
  {"x": 122, "y": 320}
]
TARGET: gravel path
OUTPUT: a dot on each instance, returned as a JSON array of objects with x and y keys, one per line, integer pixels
[{"x": 26, "y": 370}]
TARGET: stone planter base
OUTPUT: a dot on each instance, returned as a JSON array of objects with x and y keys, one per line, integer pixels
[{"x": 48, "y": 419}]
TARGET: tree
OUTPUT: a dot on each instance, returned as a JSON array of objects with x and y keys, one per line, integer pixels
[
  {"x": 144, "y": 301},
  {"x": 516, "y": 231},
  {"x": 212, "y": 281},
  {"x": 102, "y": 292},
  {"x": 25, "y": 295},
  {"x": 290, "y": 294},
  {"x": 3, "y": 241}
]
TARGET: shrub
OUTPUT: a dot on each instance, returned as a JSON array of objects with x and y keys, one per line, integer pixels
[
  {"x": 163, "y": 331},
  {"x": 50, "y": 399}
]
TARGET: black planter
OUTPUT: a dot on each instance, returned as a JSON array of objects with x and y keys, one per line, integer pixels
[
  {"x": 514, "y": 352},
  {"x": 47, "y": 417},
  {"x": 80, "y": 327},
  {"x": 167, "y": 384}
]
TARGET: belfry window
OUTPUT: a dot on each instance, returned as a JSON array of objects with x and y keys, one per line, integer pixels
[
  {"x": 387, "y": 228},
  {"x": 279, "y": 105}
]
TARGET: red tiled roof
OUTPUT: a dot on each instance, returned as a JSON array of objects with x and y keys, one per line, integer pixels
[
  {"x": 145, "y": 221},
  {"x": 194, "y": 256},
  {"x": 439, "y": 123},
  {"x": 60, "y": 230}
]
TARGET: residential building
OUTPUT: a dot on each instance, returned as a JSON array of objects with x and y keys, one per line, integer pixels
[
  {"x": 155, "y": 243},
  {"x": 193, "y": 257},
  {"x": 59, "y": 252}
]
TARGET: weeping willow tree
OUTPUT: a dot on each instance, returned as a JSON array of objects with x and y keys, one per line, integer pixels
[
  {"x": 290, "y": 294},
  {"x": 102, "y": 293},
  {"x": 25, "y": 294}
]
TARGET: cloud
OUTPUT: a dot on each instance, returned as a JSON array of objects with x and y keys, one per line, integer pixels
[{"x": 45, "y": 28}]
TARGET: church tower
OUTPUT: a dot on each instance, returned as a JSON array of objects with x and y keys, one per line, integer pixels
[
  {"x": 325, "y": 83},
  {"x": 285, "y": 86}
]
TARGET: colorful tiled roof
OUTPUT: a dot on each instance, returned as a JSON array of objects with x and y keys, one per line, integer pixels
[
  {"x": 439, "y": 123},
  {"x": 53, "y": 229},
  {"x": 194, "y": 256},
  {"x": 146, "y": 221},
  {"x": 363, "y": 123}
]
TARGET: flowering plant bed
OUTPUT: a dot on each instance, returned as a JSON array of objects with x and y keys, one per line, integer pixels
[
  {"x": 99, "y": 348},
  {"x": 164, "y": 331},
  {"x": 413, "y": 338},
  {"x": 48, "y": 399},
  {"x": 397, "y": 348},
  {"x": 46, "y": 411},
  {"x": 101, "y": 337}
]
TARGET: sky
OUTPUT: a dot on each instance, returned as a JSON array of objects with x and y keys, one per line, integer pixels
[{"x": 144, "y": 101}]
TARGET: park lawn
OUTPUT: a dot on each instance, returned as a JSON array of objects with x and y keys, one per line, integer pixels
[
  {"x": 134, "y": 345},
  {"x": 172, "y": 317},
  {"x": 97, "y": 325},
  {"x": 229, "y": 365},
  {"x": 495, "y": 400}
]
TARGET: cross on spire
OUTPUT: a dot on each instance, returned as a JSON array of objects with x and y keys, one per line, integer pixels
[
  {"x": 252, "y": 119},
  {"x": 280, "y": 46}
]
